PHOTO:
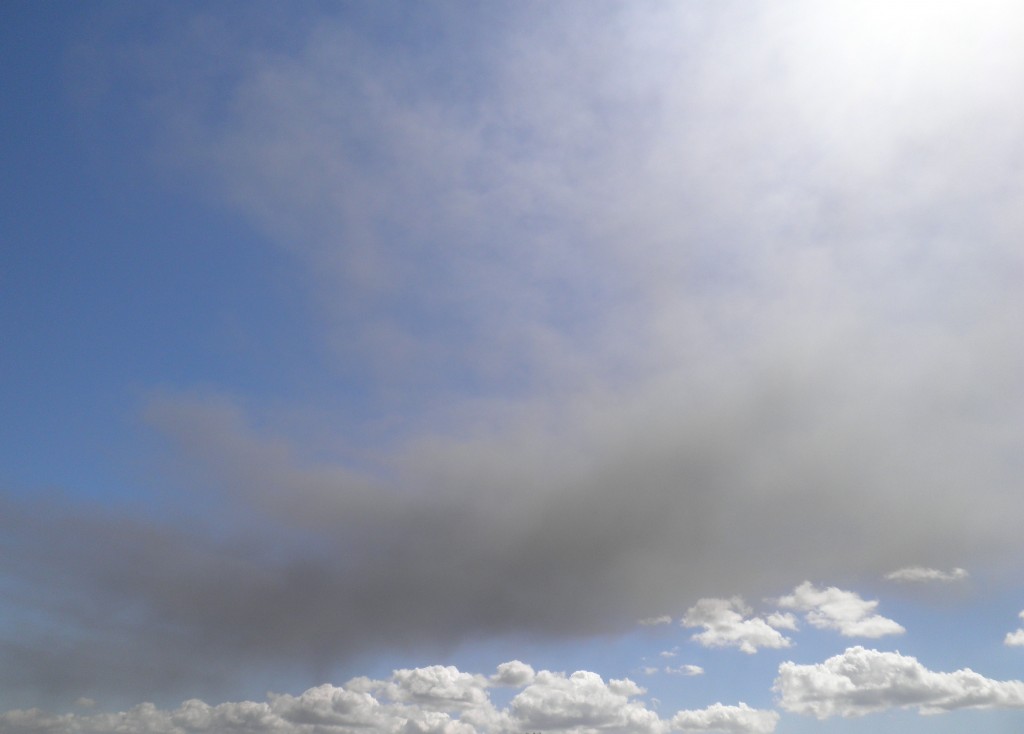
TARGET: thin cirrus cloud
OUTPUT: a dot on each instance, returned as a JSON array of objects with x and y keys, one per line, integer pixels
[
  {"x": 655, "y": 621},
  {"x": 688, "y": 669},
  {"x": 922, "y": 574},
  {"x": 861, "y": 681}
]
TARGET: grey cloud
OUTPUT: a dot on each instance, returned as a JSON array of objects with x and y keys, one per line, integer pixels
[
  {"x": 668, "y": 300},
  {"x": 861, "y": 681},
  {"x": 655, "y": 621}
]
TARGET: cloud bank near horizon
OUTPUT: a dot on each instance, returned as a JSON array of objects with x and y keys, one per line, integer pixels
[
  {"x": 444, "y": 700},
  {"x": 432, "y": 700}
]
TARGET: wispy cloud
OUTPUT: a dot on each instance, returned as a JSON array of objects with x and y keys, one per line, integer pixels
[
  {"x": 655, "y": 621},
  {"x": 637, "y": 292},
  {"x": 921, "y": 574},
  {"x": 688, "y": 670}
]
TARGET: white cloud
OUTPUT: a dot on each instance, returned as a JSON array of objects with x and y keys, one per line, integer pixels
[
  {"x": 844, "y": 611},
  {"x": 582, "y": 702},
  {"x": 327, "y": 705},
  {"x": 514, "y": 673},
  {"x": 727, "y": 624},
  {"x": 669, "y": 653},
  {"x": 430, "y": 700},
  {"x": 730, "y": 719},
  {"x": 861, "y": 681},
  {"x": 1015, "y": 639},
  {"x": 782, "y": 621},
  {"x": 656, "y": 621},
  {"x": 438, "y": 687},
  {"x": 920, "y": 574},
  {"x": 685, "y": 670}
]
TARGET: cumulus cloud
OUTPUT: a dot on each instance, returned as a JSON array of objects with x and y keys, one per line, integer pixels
[
  {"x": 1015, "y": 639},
  {"x": 861, "y": 681},
  {"x": 727, "y": 623},
  {"x": 843, "y": 611},
  {"x": 514, "y": 673},
  {"x": 431, "y": 700},
  {"x": 444, "y": 687},
  {"x": 582, "y": 702},
  {"x": 739, "y": 719},
  {"x": 918, "y": 574}
]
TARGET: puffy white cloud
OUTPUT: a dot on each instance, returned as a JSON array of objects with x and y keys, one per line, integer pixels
[
  {"x": 844, "y": 611},
  {"x": 438, "y": 687},
  {"x": 330, "y": 706},
  {"x": 862, "y": 681},
  {"x": 513, "y": 673},
  {"x": 730, "y": 719},
  {"x": 919, "y": 574},
  {"x": 782, "y": 621},
  {"x": 582, "y": 702},
  {"x": 1015, "y": 639},
  {"x": 726, "y": 623}
]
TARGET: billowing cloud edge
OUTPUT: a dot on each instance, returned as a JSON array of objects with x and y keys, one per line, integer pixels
[
  {"x": 430, "y": 700},
  {"x": 843, "y": 611},
  {"x": 728, "y": 623},
  {"x": 861, "y": 681}
]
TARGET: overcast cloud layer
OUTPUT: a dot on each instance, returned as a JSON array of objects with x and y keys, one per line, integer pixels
[{"x": 650, "y": 304}]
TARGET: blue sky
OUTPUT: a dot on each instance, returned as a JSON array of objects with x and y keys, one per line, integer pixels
[{"x": 384, "y": 365}]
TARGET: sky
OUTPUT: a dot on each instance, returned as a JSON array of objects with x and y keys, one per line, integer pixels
[{"x": 493, "y": 368}]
